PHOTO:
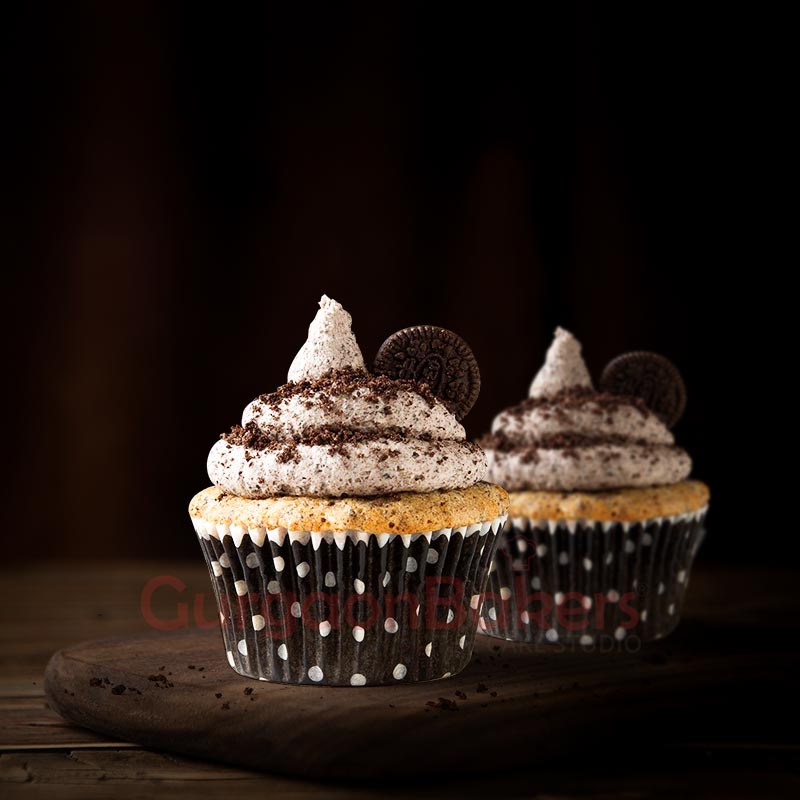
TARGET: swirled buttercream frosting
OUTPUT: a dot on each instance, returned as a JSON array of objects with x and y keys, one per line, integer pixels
[
  {"x": 568, "y": 437},
  {"x": 334, "y": 430}
]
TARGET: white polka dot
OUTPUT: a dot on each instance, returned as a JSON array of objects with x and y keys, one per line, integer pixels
[
  {"x": 635, "y": 583},
  {"x": 647, "y": 539},
  {"x": 315, "y": 673},
  {"x": 493, "y": 614},
  {"x": 450, "y": 615},
  {"x": 428, "y": 648},
  {"x": 225, "y": 561},
  {"x": 230, "y": 659},
  {"x": 258, "y": 622},
  {"x": 586, "y": 640},
  {"x": 661, "y": 588},
  {"x": 671, "y": 608},
  {"x": 522, "y": 546},
  {"x": 586, "y": 602},
  {"x": 283, "y": 653},
  {"x": 563, "y": 558},
  {"x": 609, "y": 558},
  {"x": 216, "y": 568},
  {"x": 295, "y": 610},
  {"x": 411, "y": 564},
  {"x": 587, "y": 564},
  {"x": 525, "y": 617},
  {"x": 279, "y": 564},
  {"x": 391, "y": 626},
  {"x": 612, "y": 596},
  {"x": 386, "y": 578},
  {"x": 644, "y": 615},
  {"x": 399, "y": 672},
  {"x": 482, "y": 623},
  {"x": 273, "y": 587},
  {"x": 358, "y": 679},
  {"x": 251, "y": 560},
  {"x": 619, "y": 634},
  {"x": 358, "y": 633},
  {"x": 559, "y": 598},
  {"x": 505, "y": 593},
  {"x": 241, "y": 587},
  {"x": 242, "y": 647},
  {"x": 324, "y": 628},
  {"x": 551, "y": 635},
  {"x": 461, "y": 642},
  {"x": 629, "y": 546},
  {"x": 682, "y": 576},
  {"x": 432, "y": 556},
  {"x": 303, "y": 568},
  {"x": 330, "y": 579},
  {"x": 359, "y": 586},
  {"x": 541, "y": 550},
  {"x": 474, "y": 601},
  {"x": 536, "y": 583}
]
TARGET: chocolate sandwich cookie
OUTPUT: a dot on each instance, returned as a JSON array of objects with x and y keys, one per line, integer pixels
[
  {"x": 650, "y": 377},
  {"x": 436, "y": 357}
]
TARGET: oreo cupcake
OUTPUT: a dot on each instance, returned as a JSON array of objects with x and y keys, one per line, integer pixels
[
  {"x": 348, "y": 532},
  {"x": 603, "y": 521}
]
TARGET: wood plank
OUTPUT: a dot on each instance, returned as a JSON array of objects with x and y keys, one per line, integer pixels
[
  {"x": 642, "y": 773},
  {"x": 551, "y": 699}
]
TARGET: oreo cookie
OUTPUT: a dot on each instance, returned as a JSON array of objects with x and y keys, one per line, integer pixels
[
  {"x": 650, "y": 377},
  {"x": 434, "y": 356}
]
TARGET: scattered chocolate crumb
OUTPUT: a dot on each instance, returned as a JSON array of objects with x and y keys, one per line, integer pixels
[
  {"x": 118, "y": 689},
  {"x": 392, "y": 706},
  {"x": 94, "y": 682},
  {"x": 481, "y": 688},
  {"x": 217, "y": 695},
  {"x": 225, "y": 706},
  {"x": 460, "y": 695},
  {"x": 443, "y": 704},
  {"x": 492, "y": 694},
  {"x": 248, "y": 690},
  {"x": 192, "y": 666}
]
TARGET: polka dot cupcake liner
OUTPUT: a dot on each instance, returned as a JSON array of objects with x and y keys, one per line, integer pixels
[
  {"x": 578, "y": 582},
  {"x": 350, "y": 608}
]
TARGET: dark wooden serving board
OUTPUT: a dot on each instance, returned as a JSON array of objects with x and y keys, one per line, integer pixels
[{"x": 540, "y": 703}]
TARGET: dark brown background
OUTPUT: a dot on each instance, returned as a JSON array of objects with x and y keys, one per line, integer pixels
[{"x": 185, "y": 182}]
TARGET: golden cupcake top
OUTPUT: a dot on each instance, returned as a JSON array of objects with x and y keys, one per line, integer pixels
[
  {"x": 617, "y": 505},
  {"x": 402, "y": 513}
]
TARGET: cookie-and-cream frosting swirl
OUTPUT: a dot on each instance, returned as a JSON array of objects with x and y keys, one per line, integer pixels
[
  {"x": 335, "y": 430},
  {"x": 568, "y": 437}
]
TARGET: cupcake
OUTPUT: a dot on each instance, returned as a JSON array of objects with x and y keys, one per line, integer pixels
[
  {"x": 603, "y": 521},
  {"x": 349, "y": 532}
]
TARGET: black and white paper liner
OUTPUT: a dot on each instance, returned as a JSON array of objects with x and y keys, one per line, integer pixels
[
  {"x": 579, "y": 582},
  {"x": 351, "y": 608}
]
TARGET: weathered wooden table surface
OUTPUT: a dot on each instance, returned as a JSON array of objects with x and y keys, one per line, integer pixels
[{"x": 750, "y": 749}]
